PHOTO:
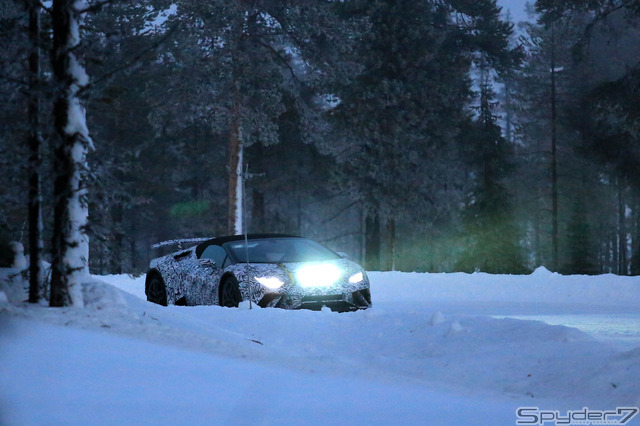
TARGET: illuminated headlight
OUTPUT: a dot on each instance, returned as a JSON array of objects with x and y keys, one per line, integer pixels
[
  {"x": 270, "y": 282},
  {"x": 318, "y": 275},
  {"x": 356, "y": 278}
]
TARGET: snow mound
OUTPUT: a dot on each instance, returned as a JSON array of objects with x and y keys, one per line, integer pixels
[
  {"x": 14, "y": 285},
  {"x": 541, "y": 271},
  {"x": 129, "y": 283},
  {"x": 246, "y": 305},
  {"x": 98, "y": 295}
]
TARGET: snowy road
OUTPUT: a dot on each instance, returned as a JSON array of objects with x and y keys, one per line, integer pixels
[
  {"x": 576, "y": 302},
  {"x": 434, "y": 349},
  {"x": 622, "y": 330},
  {"x": 620, "y": 327}
]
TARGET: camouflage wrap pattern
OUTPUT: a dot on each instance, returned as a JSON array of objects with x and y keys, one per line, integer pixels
[{"x": 198, "y": 283}]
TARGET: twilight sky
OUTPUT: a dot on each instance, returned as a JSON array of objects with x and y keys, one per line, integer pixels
[{"x": 516, "y": 7}]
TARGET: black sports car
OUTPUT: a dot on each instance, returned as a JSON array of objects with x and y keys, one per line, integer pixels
[{"x": 269, "y": 270}]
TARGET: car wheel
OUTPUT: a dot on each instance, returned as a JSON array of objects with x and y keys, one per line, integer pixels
[
  {"x": 157, "y": 291},
  {"x": 230, "y": 295}
]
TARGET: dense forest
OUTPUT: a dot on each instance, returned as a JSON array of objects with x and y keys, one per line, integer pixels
[{"x": 422, "y": 135}]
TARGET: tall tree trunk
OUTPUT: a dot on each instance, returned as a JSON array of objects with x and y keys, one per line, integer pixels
[
  {"x": 116, "y": 242},
  {"x": 236, "y": 151},
  {"x": 391, "y": 229},
  {"x": 236, "y": 143},
  {"x": 133, "y": 251},
  {"x": 508, "y": 133},
  {"x": 70, "y": 245},
  {"x": 554, "y": 160},
  {"x": 35, "y": 142},
  {"x": 622, "y": 230},
  {"x": 635, "y": 255},
  {"x": 372, "y": 241},
  {"x": 613, "y": 258}
]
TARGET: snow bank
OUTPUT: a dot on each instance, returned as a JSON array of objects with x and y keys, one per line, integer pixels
[
  {"x": 409, "y": 359},
  {"x": 129, "y": 283},
  {"x": 108, "y": 380},
  {"x": 13, "y": 284},
  {"x": 541, "y": 286}
]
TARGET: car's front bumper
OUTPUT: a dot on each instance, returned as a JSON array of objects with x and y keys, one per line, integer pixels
[{"x": 343, "y": 302}]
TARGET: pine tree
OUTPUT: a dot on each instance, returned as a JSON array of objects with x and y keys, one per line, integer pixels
[
  {"x": 607, "y": 101},
  {"x": 70, "y": 249},
  {"x": 128, "y": 207},
  {"x": 401, "y": 115},
  {"x": 262, "y": 60},
  {"x": 580, "y": 251},
  {"x": 14, "y": 43},
  {"x": 405, "y": 112},
  {"x": 491, "y": 235},
  {"x": 549, "y": 166}
]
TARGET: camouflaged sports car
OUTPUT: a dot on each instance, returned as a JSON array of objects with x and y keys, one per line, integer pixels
[{"x": 269, "y": 270}]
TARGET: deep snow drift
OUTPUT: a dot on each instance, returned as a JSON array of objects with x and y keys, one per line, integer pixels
[{"x": 434, "y": 349}]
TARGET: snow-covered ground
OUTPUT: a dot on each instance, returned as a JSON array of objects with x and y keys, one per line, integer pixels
[{"x": 435, "y": 349}]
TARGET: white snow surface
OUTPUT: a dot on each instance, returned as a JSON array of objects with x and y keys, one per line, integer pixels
[{"x": 435, "y": 349}]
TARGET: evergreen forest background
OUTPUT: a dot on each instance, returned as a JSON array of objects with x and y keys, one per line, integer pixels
[{"x": 417, "y": 135}]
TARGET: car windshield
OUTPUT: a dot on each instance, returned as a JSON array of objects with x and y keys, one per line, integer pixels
[{"x": 280, "y": 250}]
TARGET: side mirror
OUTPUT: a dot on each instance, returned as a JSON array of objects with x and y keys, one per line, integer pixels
[{"x": 207, "y": 263}]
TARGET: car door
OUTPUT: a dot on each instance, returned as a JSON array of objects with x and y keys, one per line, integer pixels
[{"x": 210, "y": 267}]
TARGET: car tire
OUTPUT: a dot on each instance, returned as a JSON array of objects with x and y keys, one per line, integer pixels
[
  {"x": 157, "y": 291},
  {"x": 230, "y": 295}
]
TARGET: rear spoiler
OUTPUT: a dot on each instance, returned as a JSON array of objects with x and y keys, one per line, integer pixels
[{"x": 180, "y": 242}]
